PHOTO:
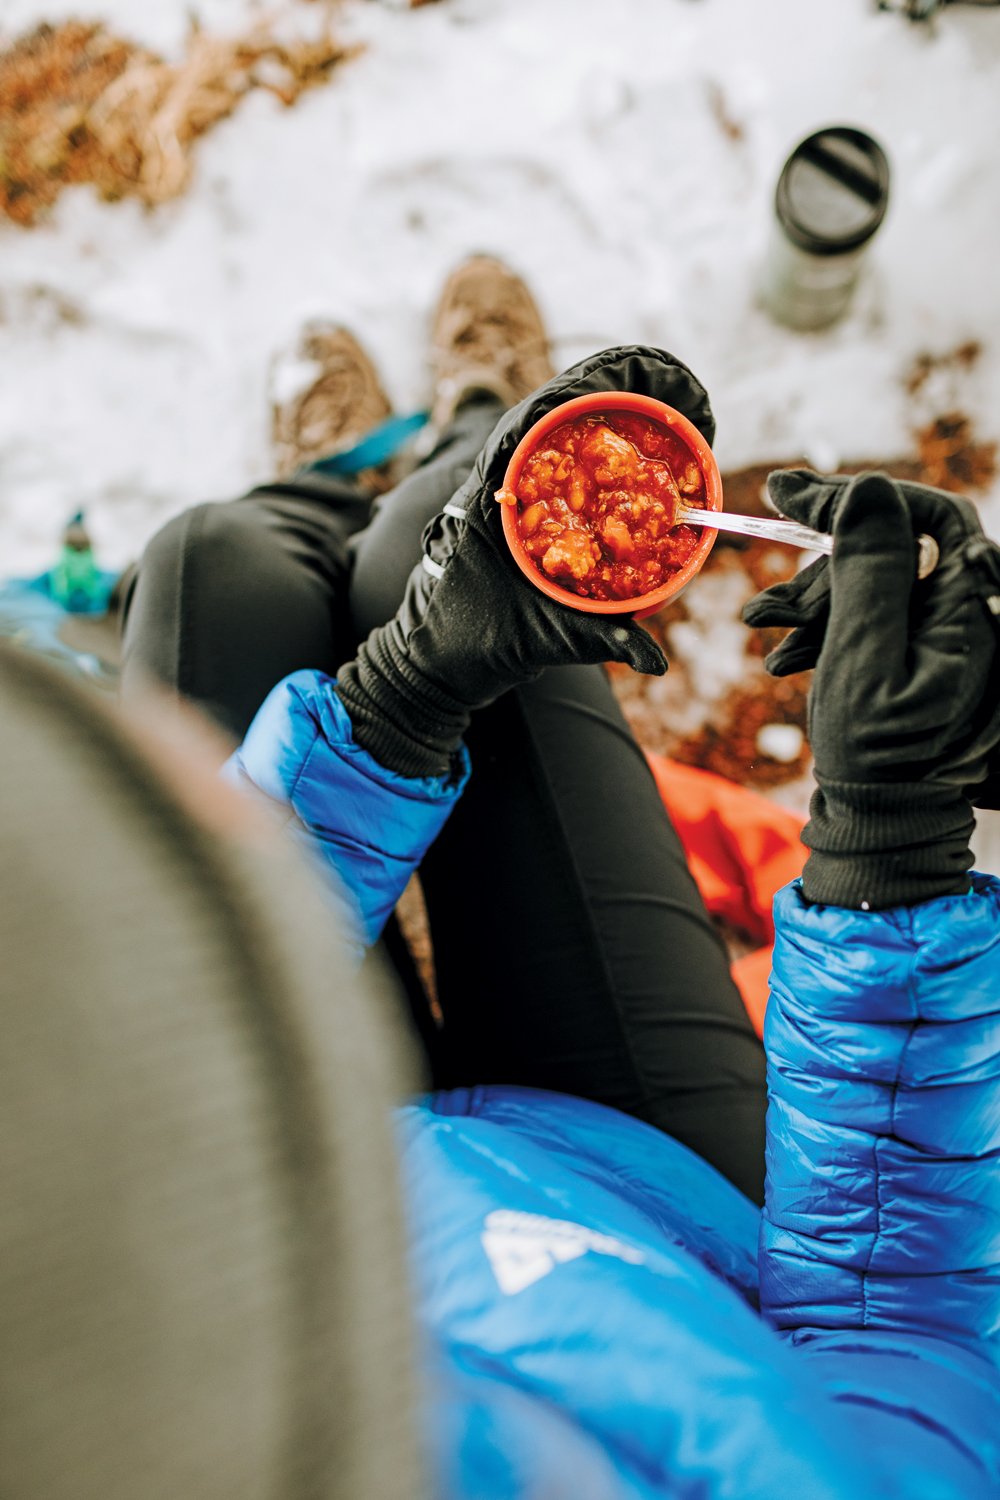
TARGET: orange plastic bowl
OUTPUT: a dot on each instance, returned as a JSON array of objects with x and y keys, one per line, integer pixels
[{"x": 643, "y": 406}]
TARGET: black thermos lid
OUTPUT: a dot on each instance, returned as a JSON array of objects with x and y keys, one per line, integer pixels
[{"x": 833, "y": 191}]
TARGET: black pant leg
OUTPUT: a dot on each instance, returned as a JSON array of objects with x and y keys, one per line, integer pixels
[
  {"x": 573, "y": 950},
  {"x": 229, "y": 598},
  {"x": 386, "y": 551},
  {"x": 572, "y": 947}
]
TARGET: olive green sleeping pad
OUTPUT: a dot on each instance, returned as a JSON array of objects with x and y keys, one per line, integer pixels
[{"x": 202, "y": 1285}]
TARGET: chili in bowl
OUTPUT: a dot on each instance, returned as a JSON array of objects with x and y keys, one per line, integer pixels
[{"x": 590, "y": 498}]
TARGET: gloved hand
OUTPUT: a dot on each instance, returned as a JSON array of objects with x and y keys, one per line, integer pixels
[
  {"x": 904, "y": 713},
  {"x": 470, "y": 625},
  {"x": 969, "y": 559}
]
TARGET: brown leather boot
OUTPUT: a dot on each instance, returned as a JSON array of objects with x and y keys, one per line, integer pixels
[
  {"x": 487, "y": 335},
  {"x": 325, "y": 395}
]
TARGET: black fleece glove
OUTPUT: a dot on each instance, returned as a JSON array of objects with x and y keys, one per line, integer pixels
[
  {"x": 471, "y": 626},
  {"x": 904, "y": 712},
  {"x": 971, "y": 561}
]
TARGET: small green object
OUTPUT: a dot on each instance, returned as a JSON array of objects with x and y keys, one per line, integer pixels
[{"x": 75, "y": 581}]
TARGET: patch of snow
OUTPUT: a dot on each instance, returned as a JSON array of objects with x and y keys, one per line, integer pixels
[
  {"x": 781, "y": 742},
  {"x": 710, "y": 644},
  {"x": 623, "y": 158},
  {"x": 291, "y": 377}
]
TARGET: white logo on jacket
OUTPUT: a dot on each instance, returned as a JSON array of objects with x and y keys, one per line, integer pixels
[{"x": 522, "y": 1248}]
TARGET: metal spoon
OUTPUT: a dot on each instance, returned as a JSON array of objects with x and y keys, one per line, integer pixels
[{"x": 792, "y": 533}]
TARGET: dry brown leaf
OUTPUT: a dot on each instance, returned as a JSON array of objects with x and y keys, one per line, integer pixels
[
  {"x": 81, "y": 105},
  {"x": 951, "y": 457}
]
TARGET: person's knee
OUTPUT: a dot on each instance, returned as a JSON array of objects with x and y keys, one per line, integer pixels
[
  {"x": 200, "y": 544},
  {"x": 213, "y": 530},
  {"x": 206, "y": 556}
]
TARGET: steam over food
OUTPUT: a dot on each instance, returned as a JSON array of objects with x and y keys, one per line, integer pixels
[{"x": 597, "y": 505}]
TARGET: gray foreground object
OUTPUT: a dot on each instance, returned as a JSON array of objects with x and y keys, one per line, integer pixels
[{"x": 202, "y": 1284}]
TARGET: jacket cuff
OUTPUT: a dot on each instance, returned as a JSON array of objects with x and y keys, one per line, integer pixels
[{"x": 370, "y": 825}]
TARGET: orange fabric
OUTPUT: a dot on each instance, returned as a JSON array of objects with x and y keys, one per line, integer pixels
[
  {"x": 741, "y": 849},
  {"x": 752, "y": 977}
]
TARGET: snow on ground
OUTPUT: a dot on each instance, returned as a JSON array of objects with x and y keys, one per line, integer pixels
[{"x": 586, "y": 142}]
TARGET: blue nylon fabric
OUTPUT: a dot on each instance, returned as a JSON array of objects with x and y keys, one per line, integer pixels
[
  {"x": 30, "y": 616},
  {"x": 370, "y": 827},
  {"x": 587, "y": 1287},
  {"x": 928, "y": 1411},
  {"x": 490, "y": 1440},
  {"x": 376, "y": 447},
  {"x": 880, "y": 1238},
  {"x": 626, "y": 1329},
  {"x": 682, "y": 1200}
]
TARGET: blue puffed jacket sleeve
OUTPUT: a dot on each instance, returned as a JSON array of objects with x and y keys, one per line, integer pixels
[
  {"x": 369, "y": 826},
  {"x": 880, "y": 1239}
]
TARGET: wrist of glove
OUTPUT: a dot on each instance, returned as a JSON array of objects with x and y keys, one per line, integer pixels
[
  {"x": 874, "y": 846},
  {"x": 471, "y": 626},
  {"x": 404, "y": 720}
]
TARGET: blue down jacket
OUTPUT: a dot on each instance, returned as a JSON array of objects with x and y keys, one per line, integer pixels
[{"x": 605, "y": 1318}]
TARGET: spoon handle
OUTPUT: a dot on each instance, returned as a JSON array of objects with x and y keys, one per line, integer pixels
[
  {"x": 773, "y": 529},
  {"x": 770, "y": 528}
]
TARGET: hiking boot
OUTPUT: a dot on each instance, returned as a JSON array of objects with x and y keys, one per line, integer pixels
[
  {"x": 487, "y": 335},
  {"x": 325, "y": 395}
]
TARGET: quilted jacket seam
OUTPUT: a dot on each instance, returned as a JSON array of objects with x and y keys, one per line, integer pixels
[
  {"x": 303, "y": 764},
  {"x": 894, "y": 1095}
]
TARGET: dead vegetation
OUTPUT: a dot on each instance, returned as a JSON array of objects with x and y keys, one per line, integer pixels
[
  {"x": 952, "y": 458},
  {"x": 964, "y": 357},
  {"x": 81, "y": 105},
  {"x": 732, "y": 128},
  {"x": 949, "y": 455}
]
